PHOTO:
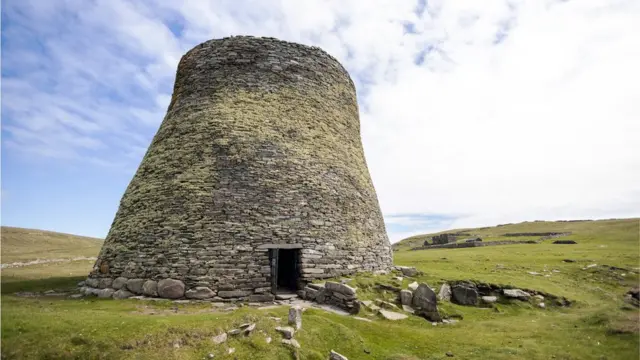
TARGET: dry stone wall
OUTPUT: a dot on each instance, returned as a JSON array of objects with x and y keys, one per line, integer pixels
[{"x": 260, "y": 146}]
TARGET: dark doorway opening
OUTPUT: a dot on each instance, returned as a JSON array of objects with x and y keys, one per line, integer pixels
[{"x": 284, "y": 270}]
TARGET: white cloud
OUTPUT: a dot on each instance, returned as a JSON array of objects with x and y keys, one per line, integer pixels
[{"x": 521, "y": 110}]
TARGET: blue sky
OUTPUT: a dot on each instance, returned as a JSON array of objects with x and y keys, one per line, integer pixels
[{"x": 472, "y": 113}]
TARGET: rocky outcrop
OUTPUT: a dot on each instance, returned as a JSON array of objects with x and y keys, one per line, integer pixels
[
  {"x": 464, "y": 294},
  {"x": 333, "y": 293},
  {"x": 425, "y": 303}
]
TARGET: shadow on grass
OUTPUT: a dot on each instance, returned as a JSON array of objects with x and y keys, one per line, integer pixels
[{"x": 53, "y": 283}]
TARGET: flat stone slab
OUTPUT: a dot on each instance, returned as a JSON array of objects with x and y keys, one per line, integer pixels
[
  {"x": 392, "y": 315},
  {"x": 286, "y": 296}
]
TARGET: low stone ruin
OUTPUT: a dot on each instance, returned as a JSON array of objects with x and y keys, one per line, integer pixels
[{"x": 332, "y": 293}]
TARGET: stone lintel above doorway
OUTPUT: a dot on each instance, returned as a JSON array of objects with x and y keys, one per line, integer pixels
[{"x": 280, "y": 246}]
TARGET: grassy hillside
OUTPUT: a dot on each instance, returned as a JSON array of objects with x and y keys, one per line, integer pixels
[
  {"x": 599, "y": 325},
  {"x": 21, "y": 245}
]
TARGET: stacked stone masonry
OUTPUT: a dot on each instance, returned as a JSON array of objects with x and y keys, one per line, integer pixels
[{"x": 260, "y": 146}]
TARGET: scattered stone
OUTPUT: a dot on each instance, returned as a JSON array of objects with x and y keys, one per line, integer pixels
[
  {"x": 119, "y": 283},
  {"x": 122, "y": 294},
  {"x": 200, "y": 293},
  {"x": 569, "y": 260},
  {"x": 590, "y": 266},
  {"x": 362, "y": 319},
  {"x": 75, "y": 296},
  {"x": 249, "y": 329},
  {"x": 489, "y": 299},
  {"x": 413, "y": 286},
  {"x": 231, "y": 350},
  {"x": 464, "y": 294},
  {"x": 291, "y": 342},
  {"x": 533, "y": 273},
  {"x": 210, "y": 356},
  {"x": 445, "y": 292},
  {"x": 150, "y": 288},
  {"x": 541, "y": 305},
  {"x": 391, "y": 315},
  {"x": 268, "y": 339},
  {"x": 286, "y": 331},
  {"x": 170, "y": 288},
  {"x": 566, "y": 242},
  {"x": 234, "y": 331},
  {"x": 406, "y": 297},
  {"x": 408, "y": 309},
  {"x": 295, "y": 317},
  {"x": 105, "y": 293},
  {"x": 516, "y": 293},
  {"x": 539, "y": 297},
  {"x": 335, "y": 356},
  {"x": 449, "y": 354},
  {"x": 408, "y": 271},
  {"x": 135, "y": 286},
  {"x": 399, "y": 278},
  {"x": 386, "y": 304},
  {"x": 634, "y": 292},
  {"x": 219, "y": 339},
  {"x": 425, "y": 303}
]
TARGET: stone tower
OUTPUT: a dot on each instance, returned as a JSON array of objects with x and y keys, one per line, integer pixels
[{"x": 255, "y": 182}]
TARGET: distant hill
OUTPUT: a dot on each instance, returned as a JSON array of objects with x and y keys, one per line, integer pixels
[
  {"x": 580, "y": 228},
  {"x": 20, "y": 245}
]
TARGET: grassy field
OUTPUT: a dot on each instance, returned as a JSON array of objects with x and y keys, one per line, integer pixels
[{"x": 599, "y": 325}]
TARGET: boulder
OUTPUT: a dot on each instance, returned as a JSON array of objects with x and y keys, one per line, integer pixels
[
  {"x": 445, "y": 292},
  {"x": 340, "y": 288},
  {"x": 92, "y": 282},
  {"x": 150, "y": 288},
  {"x": 105, "y": 293},
  {"x": 105, "y": 283},
  {"x": 424, "y": 302},
  {"x": 392, "y": 315},
  {"x": 634, "y": 292},
  {"x": 489, "y": 299},
  {"x": 286, "y": 331},
  {"x": 464, "y": 294},
  {"x": 291, "y": 342},
  {"x": 405, "y": 297},
  {"x": 413, "y": 286},
  {"x": 119, "y": 283},
  {"x": 408, "y": 271},
  {"x": 135, "y": 286},
  {"x": 516, "y": 294},
  {"x": 122, "y": 294},
  {"x": 200, "y": 293},
  {"x": 295, "y": 317},
  {"x": 170, "y": 288},
  {"x": 335, "y": 356},
  {"x": 219, "y": 339}
]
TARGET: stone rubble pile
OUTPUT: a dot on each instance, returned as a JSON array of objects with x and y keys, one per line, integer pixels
[{"x": 333, "y": 293}]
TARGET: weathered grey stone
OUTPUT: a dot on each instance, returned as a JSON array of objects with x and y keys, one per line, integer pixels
[
  {"x": 219, "y": 339},
  {"x": 413, "y": 286},
  {"x": 291, "y": 342},
  {"x": 445, "y": 292},
  {"x": 220, "y": 185},
  {"x": 119, "y": 283},
  {"x": 234, "y": 332},
  {"x": 405, "y": 297},
  {"x": 122, "y": 294},
  {"x": 295, "y": 317},
  {"x": 261, "y": 298},
  {"x": 105, "y": 283},
  {"x": 248, "y": 329},
  {"x": 170, "y": 288},
  {"x": 340, "y": 288},
  {"x": 233, "y": 293},
  {"x": 135, "y": 285},
  {"x": 105, "y": 293},
  {"x": 391, "y": 315},
  {"x": 464, "y": 294},
  {"x": 335, "y": 356},
  {"x": 516, "y": 294},
  {"x": 424, "y": 298},
  {"x": 92, "y": 282},
  {"x": 489, "y": 299},
  {"x": 200, "y": 292},
  {"x": 150, "y": 288},
  {"x": 286, "y": 331},
  {"x": 408, "y": 271}
]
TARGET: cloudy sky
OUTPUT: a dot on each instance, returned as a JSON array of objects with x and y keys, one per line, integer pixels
[{"x": 473, "y": 113}]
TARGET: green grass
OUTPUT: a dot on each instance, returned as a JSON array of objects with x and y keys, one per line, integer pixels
[
  {"x": 21, "y": 245},
  {"x": 599, "y": 325}
]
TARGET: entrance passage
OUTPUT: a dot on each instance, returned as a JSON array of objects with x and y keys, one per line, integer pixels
[{"x": 284, "y": 270}]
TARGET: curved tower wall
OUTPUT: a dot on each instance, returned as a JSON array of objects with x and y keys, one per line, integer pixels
[{"x": 260, "y": 148}]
